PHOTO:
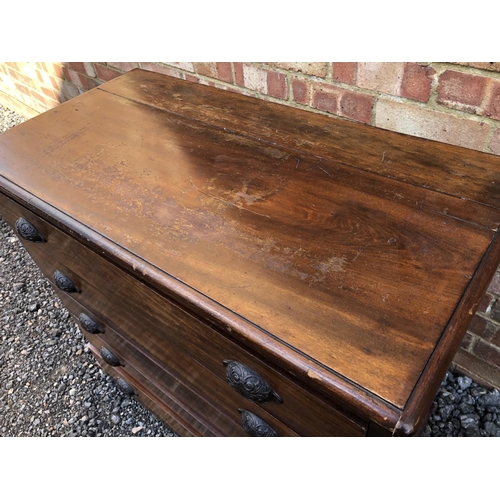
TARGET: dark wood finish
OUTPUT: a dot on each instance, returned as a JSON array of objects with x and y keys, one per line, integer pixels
[
  {"x": 156, "y": 325},
  {"x": 443, "y": 168},
  {"x": 339, "y": 262}
]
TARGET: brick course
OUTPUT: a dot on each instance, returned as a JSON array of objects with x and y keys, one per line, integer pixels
[
  {"x": 417, "y": 82},
  {"x": 431, "y": 124},
  {"x": 461, "y": 88}
]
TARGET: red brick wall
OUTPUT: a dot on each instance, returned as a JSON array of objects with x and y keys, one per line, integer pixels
[{"x": 456, "y": 103}]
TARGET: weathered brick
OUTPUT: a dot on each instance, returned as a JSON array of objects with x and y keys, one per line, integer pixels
[
  {"x": 344, "y": 72},
  {"x": 422, "y": 122},
  {"x": 381, "y": 77},
  {"x": 20, "y": 77},
  {"x": 495, "y": 339},
  {"x": 239, "y": 79},
  {"x": 123, "y": 66},
  {"x": 22, "y": 88},
  {"x": 224, "y": 71},
  {"x": 206, "y": 69},
  {"x": 185, "y": 66},
  {"x": 485, "y": 303},
  {"x": 468, "y": 341},
  {"x": 487, "y": 330},
  {"x": 38, "y": 97},
  {"x": 88, "y": 83},
  {"x": 192, "y": 78},
  {"x": 494, "y": 286},
  {"x": 493, "y": 107},
  {"x": 73, "y": 77},
  {"x": 488, "y": 352},
  {"x": 477, "y": 325},
  {"x": 277, "y": 85},
  {"x": 89, "y": 69},
  {"x": 105, "y": 73},
  {"x": 301, "y": 91},
  {"x": 495, "y": 311},
  {"x": 255, "y": 78},
  {"x": 75, "y": 66},
  {"x": 417, "y": 82},
  {"x": 54, "y": 69},
  {"x": 51, "y": 93},
  {"x": 489, "y": 66},
  {"x": 221, "y": 71},
  {"x": 461, "y": 88},
  {"x": 68, "y": 91},
  {"x": 39, "y": 76},
  {"x": 325, "y": 98},
  {"x": 357, "y": 106},
  {"x": 495, "y": 142},
  {"x": 308, "y": 68},
  {"x": 158, "y": 68}
]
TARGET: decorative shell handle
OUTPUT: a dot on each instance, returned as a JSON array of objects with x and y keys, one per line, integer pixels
[
  {"x": 64, "y": 283},
  {"x": 125, "y": 387},
  {"x": 109, "y": 357},
  {"x": 89, "y": 324},
  {"x": 249, "y": 383},
  {"x": 255, "y": 426},
  {"x": 28, "y": 231}
]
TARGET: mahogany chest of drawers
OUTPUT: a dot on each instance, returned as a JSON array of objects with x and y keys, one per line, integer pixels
[{"x": 245, "y": 268}]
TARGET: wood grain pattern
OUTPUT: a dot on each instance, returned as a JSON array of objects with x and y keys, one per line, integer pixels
[
  {"x": 166, "y": 332},
  {"x": 254, "y": 223},
  {"x": 346, "y": 256},
  {"x": 435, "y": 166}
]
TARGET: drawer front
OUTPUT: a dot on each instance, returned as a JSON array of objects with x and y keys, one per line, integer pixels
[
  {"x": 192, "y": 387},
  {"x": 155, "y": 324}
]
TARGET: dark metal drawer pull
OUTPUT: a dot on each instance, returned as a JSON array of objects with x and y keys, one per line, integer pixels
[
  {"x": 109, "y": 357},
  {"x": 125, "y": 387},
  {"x": 64, "y": 283},
  {"x": 28, "y": 231},
  {"x": 89, "y": 324},
  {"x": 249, "y": 383},
  {"x": 255, "y": 426}
]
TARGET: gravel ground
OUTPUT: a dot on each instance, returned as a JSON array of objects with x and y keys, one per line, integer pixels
[{"x": 50, "y": 384}]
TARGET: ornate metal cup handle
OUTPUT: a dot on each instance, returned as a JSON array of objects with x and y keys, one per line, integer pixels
[
  {"x": 28, "y": 231},
  {"x": 125, "y": 387},
  {"x": 64, "y": 283},
  {"x": 255, "y": 426},
  {"x": 89, "y": 324},
  {"x": 109, "y": 357},
  {"x": 249, "y": 383}
]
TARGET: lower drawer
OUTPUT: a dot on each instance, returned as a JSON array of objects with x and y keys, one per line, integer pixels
[{"x": 202, "y": 400}]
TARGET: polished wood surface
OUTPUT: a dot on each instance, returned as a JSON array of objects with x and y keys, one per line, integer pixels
[
  {"x": 156, "y": 326},
  {"x": 344, "y": 255}
]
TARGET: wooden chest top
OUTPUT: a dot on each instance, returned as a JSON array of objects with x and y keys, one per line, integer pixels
[{"x": 351, "y": 257}]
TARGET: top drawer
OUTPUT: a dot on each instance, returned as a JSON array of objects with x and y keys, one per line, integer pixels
[{"x": 154, "y": 322}]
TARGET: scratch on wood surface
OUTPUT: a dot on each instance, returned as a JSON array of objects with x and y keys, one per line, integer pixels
[
  {"x": 321, "y": 168},
  {"x": 225, "y": 201},
  {"x": 359, "y": 252}
]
